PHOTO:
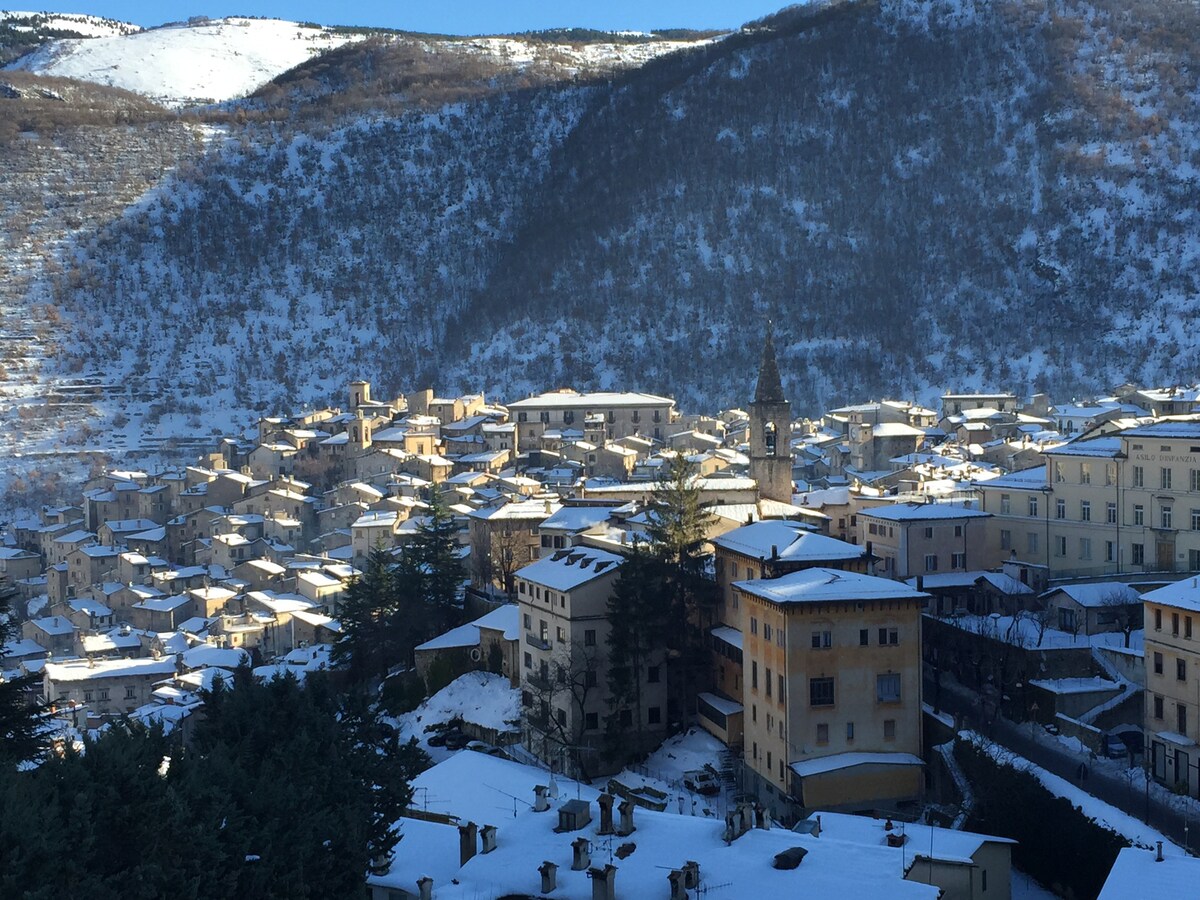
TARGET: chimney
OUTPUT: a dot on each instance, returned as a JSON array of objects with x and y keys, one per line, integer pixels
[
  {"x": 626, "y": 810},
  {"x": 467, "y": 842},
  {"x": 691, "y": 874},
  {"x": 606, "y": 819},
  {"x": 603, "y": 882},
  {"x": 920, "y": 582},
  {"x": 730, "y": 834},
  {"x": 774, "y": 551},
  {"x": 817, "y": 830},
  {"x": 541, "y": 801},
  {"x": 549, "y": 873},
  {"x": 488, "y": 835},
  {"x": 425, "y": 887},
  {"x": 678, "y": 890},
  {"x": 1159, "y": 857},
  {"x": 581, "y": 856}
]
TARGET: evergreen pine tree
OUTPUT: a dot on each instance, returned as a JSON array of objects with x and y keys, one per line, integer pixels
[
  {"x": 433, "y": 564},
  {"x": 23, "y": 735}
]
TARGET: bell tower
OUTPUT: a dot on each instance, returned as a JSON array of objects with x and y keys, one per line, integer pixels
[{"x": 771, "y": 430}]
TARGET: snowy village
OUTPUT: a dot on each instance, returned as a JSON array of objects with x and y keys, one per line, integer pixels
[{"x": 503, "y": 451}]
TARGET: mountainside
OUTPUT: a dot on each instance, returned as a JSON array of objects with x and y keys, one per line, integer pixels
[
  {"x": 21, "y": 32},
  {"x": 920, "y": 195}
]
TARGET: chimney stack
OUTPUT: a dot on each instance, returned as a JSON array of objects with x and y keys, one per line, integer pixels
[
  {"x": 488, "y": 834},
  {"x": 606, "y": 818},
  {"x": 691, "y": 874},
  {"x": 626, "y": 810},
  {"x": 549, "y": 873},
  {"x": 581, "y": 856},
  {"x": 467, "y": 842},
  {"x": 425, "y": 888},
  {"x": 676, "y": 879},
  {"x": 603, "y": 882},
  {"x": 541, "y": 801},
  {"x": 1159, "y": 857}
]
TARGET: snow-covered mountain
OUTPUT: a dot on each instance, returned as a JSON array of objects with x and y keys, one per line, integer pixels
[
  {"x": 65, "y": 24},
  {"x": 922, "y": 195},
  {"x": 202, "y": 61}
]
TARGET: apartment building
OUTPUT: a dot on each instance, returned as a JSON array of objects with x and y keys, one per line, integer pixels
[
  {"x": 832, "y": 690},
  {"x": 1172, "y": 723},
  {"x": 612, "y": 413},
  {"x": 565, "y": 692},
  {"x": 1119, "y": 504},
  {"x": 913, "y": 539}
]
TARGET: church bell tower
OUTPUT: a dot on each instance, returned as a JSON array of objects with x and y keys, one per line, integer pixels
[{"x": 771, "y": 431}]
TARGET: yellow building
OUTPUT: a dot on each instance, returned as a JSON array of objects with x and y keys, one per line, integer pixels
[
  {"x": 1173, "y": 683},
  {"x": 832, "y": 690}
]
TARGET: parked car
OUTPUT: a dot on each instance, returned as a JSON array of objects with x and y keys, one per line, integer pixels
[
  {"x": 1113, "y": 747},
  {"x": 456, "y": 740},
  {"x": 489, "y": 749},
  {"x": 702, "y": 781}
]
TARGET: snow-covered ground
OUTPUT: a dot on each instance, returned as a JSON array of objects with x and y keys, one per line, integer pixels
[
  {"x": 1024, "y": 887},
  {"x": 89, "y": 26},
  {"x": 185, "y": 64},
  {"x": 664, "y": 771},
  {"x": 1024, "y": 632},
  {"x": 479, "y": 697},
  {"x": 1132, "y": 829}
]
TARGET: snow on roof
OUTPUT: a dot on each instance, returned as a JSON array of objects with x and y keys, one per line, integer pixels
[
  {"x": 839, "y": 761},
  {"x": 90, "y": 606},
  {"x": 566, "y": 570},
  {"x": 838, "y": 496},
  {"x": 1137, "y": 873},
  {"x": 86, "y": 670},
  {"x": 523, "y": 509},
  {"x": 163, "y": 604},
  {"x": 462, "y": 636},
  {"x": 1006, "y": 584},
  {"x": 731, "y": 636},
  {"x": 576, "y": 518},
  {"x": 1101, "y": 447},
  {"x": 819, "y": 585},
  {"x": 506, "y": 618},
  {"x": 23, "y": 647},
  {"x": 723, "y": 705},
  {"x": 206, "y": 655},
  {"x": 575, "y": 400},
  {"x": 54, "y": 625},
  {"x": 919, "y": 512},
  {"x": 1031, "y": 479},
  {"x": 1075, "y": 685},
  {"x": 1169, "y": 429},
  {"x": 1182, "y": 594},
  {"x": 1099, "y": 593},
  {"x": 790, "y": 540}
]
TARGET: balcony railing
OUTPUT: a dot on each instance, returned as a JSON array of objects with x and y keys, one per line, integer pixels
[{"x": 534, "y": 641}]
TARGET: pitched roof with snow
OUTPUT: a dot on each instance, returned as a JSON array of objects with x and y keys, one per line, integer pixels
[
  {"x": 920, "y": 512},
  {"x": 788, "y": 542},
  {"x": 1099, "y": 593},
  {"x": 568, "y": 569},
  {"x": 1182, "y": 594},
  {"x": 821, "y": 585}
]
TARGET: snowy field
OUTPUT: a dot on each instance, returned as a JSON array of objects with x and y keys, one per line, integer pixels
[{"x": 479, "y": 697}]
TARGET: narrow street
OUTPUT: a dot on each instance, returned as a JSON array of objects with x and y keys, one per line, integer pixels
[{"x": 1114, "y": 790}]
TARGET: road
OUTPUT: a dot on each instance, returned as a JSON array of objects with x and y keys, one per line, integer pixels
[{"x": 1114, "y": 790}]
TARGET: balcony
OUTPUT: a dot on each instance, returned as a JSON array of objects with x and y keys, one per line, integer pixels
[{"x": 539, "y": 643}]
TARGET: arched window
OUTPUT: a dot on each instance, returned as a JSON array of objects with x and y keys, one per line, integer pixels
[{"x": 769, "y": 437}]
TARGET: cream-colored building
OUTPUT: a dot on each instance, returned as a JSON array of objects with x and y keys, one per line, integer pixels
[
  {"x": 565, "y": 691},
  {"x": 107, "y": 687},
  {"x": 618, "y": 414},
  {"x": 832, "y": 663},
  {"x": 1172, "y": 618},
  {"x": 911, "y": 539}
]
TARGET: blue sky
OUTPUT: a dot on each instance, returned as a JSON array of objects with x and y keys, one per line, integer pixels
[{"x": 453, "y": 16}]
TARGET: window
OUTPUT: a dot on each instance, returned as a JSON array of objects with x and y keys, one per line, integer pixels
[
  {"x": 754, "y": 676},
  {"x": 102, "y": 694},
  {"x": 654, "y": 715},
  {"x": 1033, "y": 506},
  {"x": 1085, "y": 473},
  {"x": 887, "y": 688},
  {"x": 929, "y": 533},
  {"x": 1085, "y": 548},
  {"x": 820, "y": 691},
  {"x": 1164, "y": 479},
  {"x": 1085, "y": 511},
  {"x": 1138, "y": 554},
  {"x": 589, "y": 637},
  {"x": 1110, "y": 474},
  {"x": 1060, "y": 508},
  {"x": 561, "y": 715},
  {"x": 1158, "y": 620},
  {"x": 1158, "y": 663},
  {"x": 766, "y": 632},
  {"x": 1031, "y": 542},
  {"x": 849, "y": 731},
  {"x": 958, "y": 531},
  {"x": 529, "y": 660},
  {"x": 1175, "y": 624},
  {"x": 864, "y": 637},
  {"x": 822, "y": 733},
  {"x": 1005, "y": 539},
  {"x": 780, "y": 637},
  {"x": 769, "y": 682},
  {"x": 768, "y": 759},
  {"x": 1180, "y": 718},
  {"x": 1060, "y": 545},
  {"x": 528, "y": 618},
  {"x": 889, "y": 637},
  {"x": 1164, "y": 517},
  {"x": 782, "y": 683},
  {"x": 753, "y": 625},
  {"x": 1139, "y": 477},
  {"x": 930, "y": 562},
  {"x": 822, "y": 640},
  {"x": 1196, "y": 520},
  {"x": 889, "y": 729},
  {"x": 1110, "y": 551},
  {"x": 561, "y": 634},
  {"x": 87, "y": 696},
  {"x": 1187, "y": 627},
  {"x": 1181, "y": 670},
  {"x": 1139, "y": 514},
  {"x": 1110, "y": 514},
  {"x": 526, "y": 699},
  {"x": 958, "y": 560},
  {"x": 1158, "y": 706},
  {"x": 1005, "y": 505},
  {"x": 591, "y": 721},
  {"x": 1195, "y": 481},
  {"x": 1194, "y": 560},
  {"x": 1058, "y": 472},
  {"x": 653, "y": 675},
  {"x": 590, "y": 678}
]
